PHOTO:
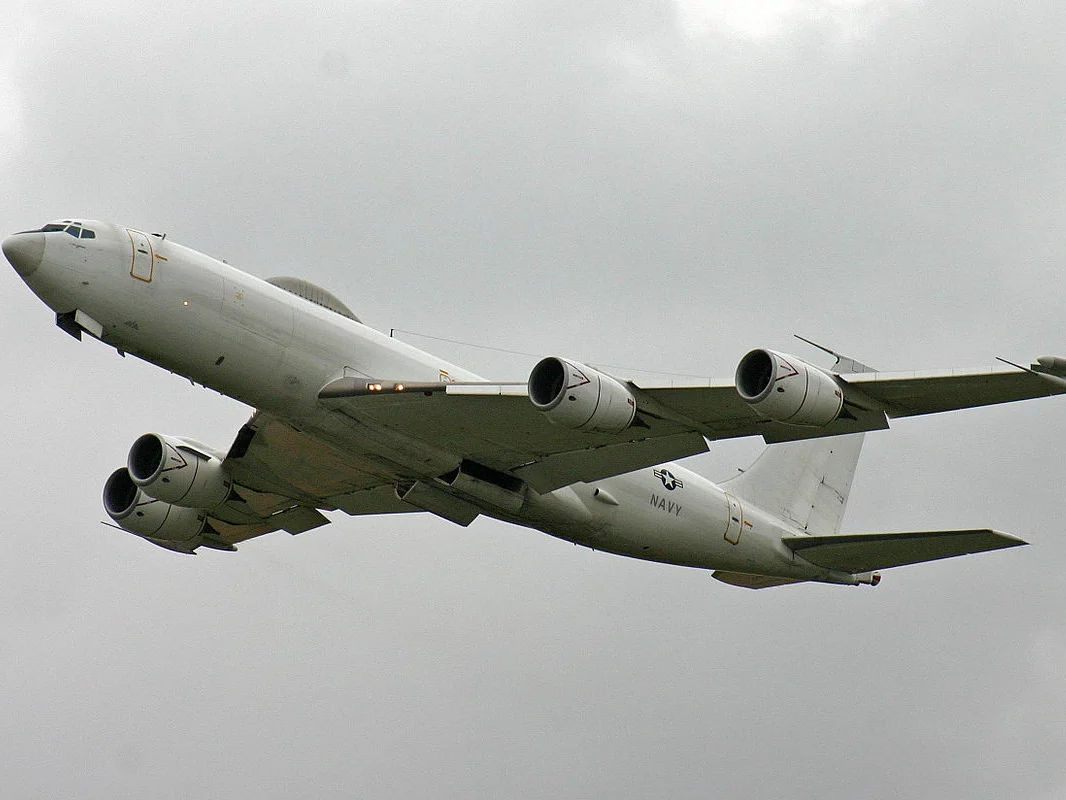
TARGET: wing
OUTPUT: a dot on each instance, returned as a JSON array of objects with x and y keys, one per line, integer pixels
[
  {"x": 361, "y": 448},
  {"x": 866, "y": 552},
  {"x": 496, "y": 424}
]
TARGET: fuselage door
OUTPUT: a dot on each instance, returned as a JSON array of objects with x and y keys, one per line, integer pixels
[
  {"x": 143, "y": 259},
  {"x": 735, "y": 522}
]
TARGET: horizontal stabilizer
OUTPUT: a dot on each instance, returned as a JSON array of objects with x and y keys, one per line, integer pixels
[
  {"x": 865, "y": 552},
  {"x": 749, "y": 581}
]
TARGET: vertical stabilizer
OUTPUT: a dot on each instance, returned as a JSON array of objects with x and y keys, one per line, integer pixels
[{"x": 805, "y": 483}]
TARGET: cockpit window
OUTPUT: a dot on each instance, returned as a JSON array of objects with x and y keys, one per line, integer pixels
[{"x": 74, "y": 229}]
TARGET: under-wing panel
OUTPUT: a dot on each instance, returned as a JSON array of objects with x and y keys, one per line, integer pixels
[
  {"x": 276, "y": 458},
  {"x": 866, "y": 552},
  {"x": 562, "y": 469}
]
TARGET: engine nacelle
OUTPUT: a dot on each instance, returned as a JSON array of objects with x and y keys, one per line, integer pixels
[
  {"x": 788, "y": 390},
  {"x": 171, "y": 526},
  {"x": 172, "y": 470},
  {"x": 576, "y": 396}
]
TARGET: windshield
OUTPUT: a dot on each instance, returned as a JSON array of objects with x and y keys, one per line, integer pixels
[{"x": 73, "y": 228}]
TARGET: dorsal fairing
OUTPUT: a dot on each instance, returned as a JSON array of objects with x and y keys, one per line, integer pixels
[{"x": 314, "y": 294}]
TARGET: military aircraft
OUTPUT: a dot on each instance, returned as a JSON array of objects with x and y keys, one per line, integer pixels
[{"x": 347, "y": 418}]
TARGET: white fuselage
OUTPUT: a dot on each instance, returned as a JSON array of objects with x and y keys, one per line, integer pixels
[{"x": 220, "y": 327}]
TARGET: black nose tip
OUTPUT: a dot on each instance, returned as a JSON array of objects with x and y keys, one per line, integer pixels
[{"x": 24, "y": 251}]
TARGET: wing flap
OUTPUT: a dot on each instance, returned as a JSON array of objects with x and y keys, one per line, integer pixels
[
  {"x": 749, "y": 581},
  {"x": 866, "y": 552},
  {"x": 296, "y": 519},
  {"x": 233, "y": 534},
  {"x": 380, "y": 500},
  {"x": 299, "y": 519}
]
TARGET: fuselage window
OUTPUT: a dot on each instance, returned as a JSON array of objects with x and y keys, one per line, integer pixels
[{"x": 87, "y": 234}]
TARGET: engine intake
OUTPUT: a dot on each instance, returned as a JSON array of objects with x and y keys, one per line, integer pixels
[
  {"x": 577, "y": 396},
  {"x": 788, "y": 390},
  {"x": 175, "y": 471}
]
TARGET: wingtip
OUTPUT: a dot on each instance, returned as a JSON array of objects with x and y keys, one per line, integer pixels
[
  {"x": 1053, "y": 365},
  {"x": 1010, "y": 540},
  {"x": 1050, "y": 368}
]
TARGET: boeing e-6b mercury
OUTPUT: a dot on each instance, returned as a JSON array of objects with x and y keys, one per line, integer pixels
[{"x": 350, "y": 419}]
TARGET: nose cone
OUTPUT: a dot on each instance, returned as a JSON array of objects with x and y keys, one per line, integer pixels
[{"x": 24, "y": 251}]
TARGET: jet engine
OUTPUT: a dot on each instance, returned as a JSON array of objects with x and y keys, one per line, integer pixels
[
  {"x": 176, "y": 471},
  {"x": 788, "y": 390},
  {"x": 577, "y": 396},
  {"x": 173, "y": 527}
]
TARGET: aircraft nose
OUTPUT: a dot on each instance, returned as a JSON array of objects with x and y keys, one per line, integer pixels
[{"x": 24, "y": 251}]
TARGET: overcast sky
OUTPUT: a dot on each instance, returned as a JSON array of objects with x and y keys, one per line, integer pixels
[{"x": 652, "y": 184}]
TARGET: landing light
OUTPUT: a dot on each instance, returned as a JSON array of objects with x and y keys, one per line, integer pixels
[{"x": 358, "y": 387}]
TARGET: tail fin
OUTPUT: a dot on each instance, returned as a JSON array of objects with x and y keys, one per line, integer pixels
[{"x": 806, "y": 482}]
